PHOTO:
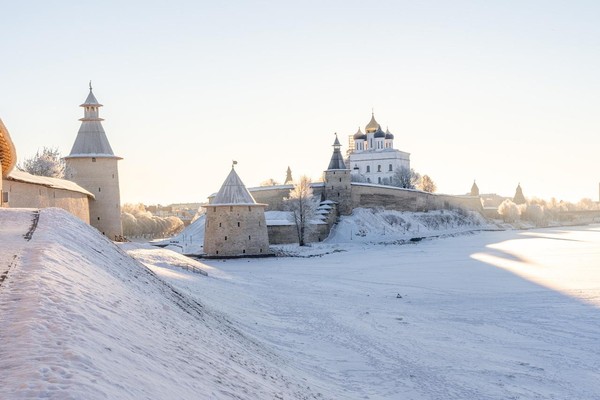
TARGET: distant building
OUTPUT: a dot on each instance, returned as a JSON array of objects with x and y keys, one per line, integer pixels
[
  {"x": 474, "y": 189},
  {"x": 519, "y": 198},
  {"x": 235, "y": 224},
  {"x": 337, "y": 181},
  {"x": 288, "y": 177},
  {"x": 8, "y": 159},
  {"x": 93, "y": 165},
  {"x": 372, "y": 156}
]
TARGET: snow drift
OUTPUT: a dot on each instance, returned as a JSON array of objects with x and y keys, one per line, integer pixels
[{"x": 81, "y": 319}]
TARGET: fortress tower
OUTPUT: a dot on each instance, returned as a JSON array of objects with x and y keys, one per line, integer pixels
[
  {"x": 93, "y": 166},
  {"x": 337, "y": 181},
  {"x": 235, "y": 224}
]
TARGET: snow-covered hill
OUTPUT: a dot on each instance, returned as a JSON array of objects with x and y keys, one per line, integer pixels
[
  {"x": 80, "y": 319},
  {"x": 365, "y": 225}
]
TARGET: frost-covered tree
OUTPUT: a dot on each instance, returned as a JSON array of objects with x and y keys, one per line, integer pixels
[
  {"x": 302, "y": 205},
  {"x": 405, "y": 178},
  {"x": 46, "y": 162},
  {"x": 269, "y": 182},
  {"x": 138, "y": 222},
  {"x": 426, "y": 184},
  {"x": 509, "y": 211},
  {"x": 534, "y": 213}
]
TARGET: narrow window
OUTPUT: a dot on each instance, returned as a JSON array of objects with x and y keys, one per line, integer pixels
[
  {"x": 244, "y": 251},
  {"x": 249, "y": 237},
  {"x": 230, "y": 208},
  {"x": 99, "y": 189},
  {"x": 379, "y": 168},
  {"x": 379, "y": 180},
  {"x": 261, "y": 250},
  {"x": 249, "y": 208},
  {"x": 225, "y": 237},
  {"x": 98, "y": 218},
  {"x": 219, "y": 224},
  {"x": 368, "y": 168},
  {"x": 340, "y": 179},
  {"x": 214, "y": 209},
  {"x": 238, "y": 224},
  {"x": 93, "y": 159},
  {"x": 217, "y": 251},
  {"x": 390, "y": 167}
]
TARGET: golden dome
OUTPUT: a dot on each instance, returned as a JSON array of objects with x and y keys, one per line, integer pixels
[{"x": 372, "y": 126}]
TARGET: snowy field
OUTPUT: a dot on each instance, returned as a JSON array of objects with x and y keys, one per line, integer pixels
[
  {"x": 493, "y": 315},
  {"x": 488, "y": 315}
]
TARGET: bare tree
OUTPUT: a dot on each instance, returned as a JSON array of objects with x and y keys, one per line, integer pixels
[
  {"x": 426, "y": 184},
  {"x": 405, "y": 178},
  {"x": 48, "y": 163},
  {"x": 303, "y": 206}
]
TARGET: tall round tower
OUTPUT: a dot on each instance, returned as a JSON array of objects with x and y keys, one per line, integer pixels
[
  {"x": 93, "y": 166},
  {"x": 235, "y": 224}
]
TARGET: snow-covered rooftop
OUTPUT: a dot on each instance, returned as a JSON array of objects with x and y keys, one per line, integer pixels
[
  {"x": 233, "y": 191},
  {"x": 55, "y": 183}
]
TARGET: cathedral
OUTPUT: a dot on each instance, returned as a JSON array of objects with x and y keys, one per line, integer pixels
[{"x": 372, "y": 157}]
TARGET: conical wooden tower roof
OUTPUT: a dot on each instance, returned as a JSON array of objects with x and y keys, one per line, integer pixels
[{"x": 233, "y": 191}]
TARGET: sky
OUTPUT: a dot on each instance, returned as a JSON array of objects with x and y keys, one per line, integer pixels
[{"x": 501, "y": 92}]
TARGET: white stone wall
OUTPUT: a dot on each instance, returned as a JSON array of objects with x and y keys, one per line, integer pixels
[
  {"x": 100, "y": 176},
  {"x": 235, "y": 230},
  {"x": 29, "y": 195},
  {"x": 375, "y": 165}
]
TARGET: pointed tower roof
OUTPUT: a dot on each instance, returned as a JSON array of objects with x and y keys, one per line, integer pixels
[
  {"x": 91, "y": 140},
  {"x": 233, "y": 191},
  {"x": 288, "y": 177},
  {"x": 337, "y": 161},
  {"x": 519, "y": 197},
  {"x": 474, "y": 189},
  {"x": 372, "y": 126}
]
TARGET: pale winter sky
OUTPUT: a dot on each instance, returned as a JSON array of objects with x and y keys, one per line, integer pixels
[{"x": 498, "y": 91}]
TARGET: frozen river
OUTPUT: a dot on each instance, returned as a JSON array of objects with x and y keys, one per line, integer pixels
[{"x": 493, "y": 315}]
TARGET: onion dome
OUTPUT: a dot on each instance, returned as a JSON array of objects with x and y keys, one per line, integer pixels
[
  {"x": 388, "y": 134},
  {"x": 379, "y": 133},
  {"x": 372, "y": 125},
  {"x": 359, "y": 135}
]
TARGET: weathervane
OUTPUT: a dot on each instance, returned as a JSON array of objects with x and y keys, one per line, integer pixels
[
  {"x": 90, "y": 85},
  {"x": 233, "y": 163}
]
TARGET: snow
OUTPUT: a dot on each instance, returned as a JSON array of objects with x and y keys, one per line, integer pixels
[
  {"x": 488, "y": 315},
  {"x": 492, "y": 315},
  {"x": 80, "y": 319}
]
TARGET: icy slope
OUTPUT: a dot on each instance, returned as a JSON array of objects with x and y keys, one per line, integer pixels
[{"x": 80, "y": 319}]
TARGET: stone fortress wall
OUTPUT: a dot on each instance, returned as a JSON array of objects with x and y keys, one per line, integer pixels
[{"x": 29, "y": 195}]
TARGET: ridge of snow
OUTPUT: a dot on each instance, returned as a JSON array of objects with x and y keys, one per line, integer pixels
[{"x": 81, "y": 319}]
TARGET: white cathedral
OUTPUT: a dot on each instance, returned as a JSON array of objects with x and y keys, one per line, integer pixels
[{"x": 371, "y": 155}]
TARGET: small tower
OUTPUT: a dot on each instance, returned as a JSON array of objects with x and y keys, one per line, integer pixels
[
  {"x": 474, "y": 189},
  {"x": 288, "y": 177},
  {"x": 235, "y": 224},
  {"x": 93, "y": 166},
  {"x": 519, "y": 198},
  {"x": 337, "y": 181}
]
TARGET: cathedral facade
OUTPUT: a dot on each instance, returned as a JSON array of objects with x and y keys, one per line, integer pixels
[{"x": 372, "y": 157}]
